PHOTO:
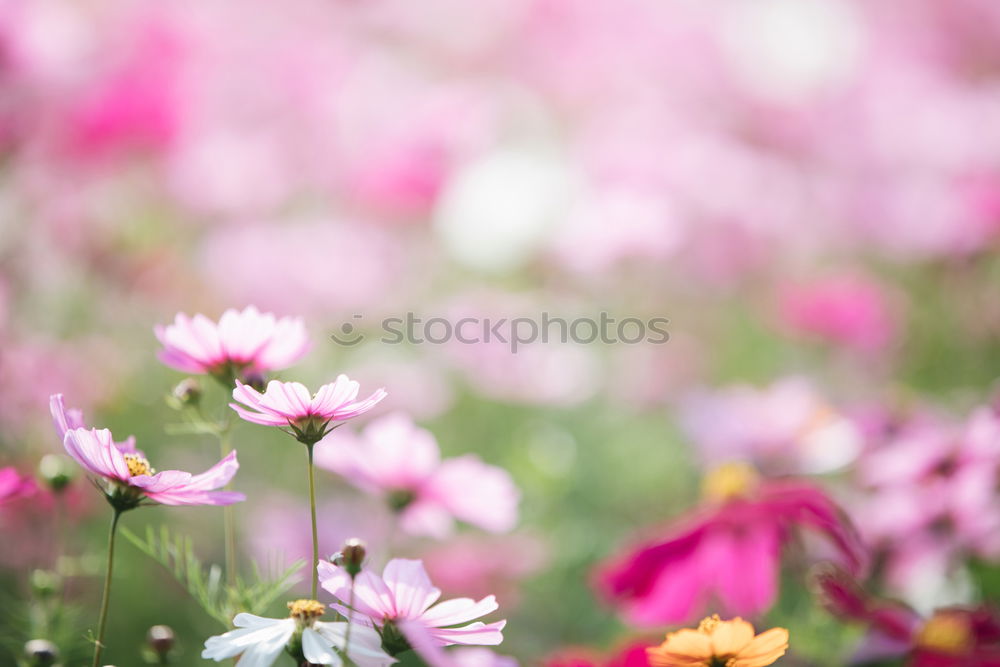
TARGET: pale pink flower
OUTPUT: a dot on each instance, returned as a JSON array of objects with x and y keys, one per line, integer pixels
[
  {"x": 241, "y": 342},
  {"x": 396, "y": 459},
  {"x": 308, "y": 415},
  {"x": 786, "y": 427},
  {"x": 14, "y": 486},
  {"x": 401, "y": 604},
  {"x": 127, "y": 475}
]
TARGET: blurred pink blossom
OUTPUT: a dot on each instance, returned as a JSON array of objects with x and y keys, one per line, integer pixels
[
  {"x": 13, "y": 486},
  {"x": 395, "y": 459},
  {"x": 785, "y": 427},
  {"x": 725, "y": 555},
  {"x": 929, "y": 501},
  {"x": 847, "y": 310},
  {"x": 242, "y": 342}
]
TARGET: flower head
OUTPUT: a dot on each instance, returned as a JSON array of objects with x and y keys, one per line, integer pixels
[
  {"x": 260, "y": 641},
  {"x": 727, "y": 553},
  {"x": 308, "y": 415},
  {"x": 401, "y": 604},
  {"x": 126, "y": 474},
  {"x": 718, "y": 643},
  {"x": 13, "y": 485},
  {"x": 401, "y": 462},
  {"x": 241, "y": 342}
]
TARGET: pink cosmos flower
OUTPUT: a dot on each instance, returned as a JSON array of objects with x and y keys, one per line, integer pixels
[
  {"x": 851, "y": 311},
  {"x": 400, "y": 604},
  {"x": 930, "y": 502},
  {"x": 241, "y": 342},
  {"x": 13, "y": 486},
  {"x": 308, "y": 415},
  {"x": 396, "y": 459},
  {"x": 788, "y": 427},
  {"x": 727, "y": 554},
  {"x": 128, "y": 476}
]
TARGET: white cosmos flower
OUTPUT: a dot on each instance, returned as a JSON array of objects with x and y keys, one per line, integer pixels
[{"x": 259, "y": 641}]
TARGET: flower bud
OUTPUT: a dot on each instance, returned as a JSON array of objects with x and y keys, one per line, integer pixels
[
  {"x": 255, "y": 380},
  {"x": 351, "y": 557},
  {"x": 45, "y": 583},
  {"x": 187, "y": 393},
  {"x": 56, "y": 471},
  {"x": 161, "y": 639},
  {"x": 41, "y": 653}
]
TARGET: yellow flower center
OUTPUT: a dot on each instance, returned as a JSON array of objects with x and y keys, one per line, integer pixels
[
  {"x": 729, "y": 481},
  {"x": 305, "y": 610},
  {"x": 138, "y": 465},
  {"x": 946, "y": 633},
  {"x": 709, "y": 624}
]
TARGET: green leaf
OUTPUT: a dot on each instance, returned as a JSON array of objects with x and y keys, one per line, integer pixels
[{"x": 204, "y": 582}]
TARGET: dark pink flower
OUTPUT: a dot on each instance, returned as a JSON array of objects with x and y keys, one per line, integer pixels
[
  {"x": 14, "y": 486},
  {"x": 851, "y": 311},
  {"x": 726, "y": 554},
  {"x": 126, "y": 475}
]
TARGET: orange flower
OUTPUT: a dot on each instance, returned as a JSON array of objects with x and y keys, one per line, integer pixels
[{"x": 718, "y": 643}]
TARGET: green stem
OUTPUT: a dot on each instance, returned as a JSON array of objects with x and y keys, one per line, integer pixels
[
  {"x": 99, "y": 646},
  {"x": 228, "y": 517},
  {"x": 350, "y": 618},
  {"x": 315, "y": 534}
]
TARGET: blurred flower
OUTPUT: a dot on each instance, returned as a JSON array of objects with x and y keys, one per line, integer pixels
[
  {"x": 929, "y": 501},
  {"x": 241, "y": 342},
  {"x": 475, "y": 656},
  {"x": 308, "y": 415},
  {"x": 634, "y": 654},
  {"x": 852, "y": 311},
  {"x": 715, "y": 642},
  {"x": 401, "y": 604},
  {"x": 727, "y": 553},
  {"x": 480, "y": 564},
  {"x": 949, "y": 637},
  {"x": 259, "y": 641},
  {"x": 315, "y": 255},
  {"x": 13, "y": 486},
  {"x": 127, "y": 476},
  {"x": 787, "y": 427},
  {"x": 397, "y": 460}
]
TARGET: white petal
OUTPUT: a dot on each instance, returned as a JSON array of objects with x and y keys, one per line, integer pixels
[
  {"x": 263, "y": 632},
  {"x": 317, "y": 650}
]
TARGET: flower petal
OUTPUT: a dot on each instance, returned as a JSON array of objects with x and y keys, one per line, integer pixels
[
  {"x": 411, "y": 588},
  {"x": 317, "y": 650},
  {"x": 458, "y": 610}
]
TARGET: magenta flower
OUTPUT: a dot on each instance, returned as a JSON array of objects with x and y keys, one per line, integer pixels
[
  {"x": 241, "y": 343},
  {"x": 400, "y": 604},
  {"x": 129, "y": 478},
  {"x": 308, "y": 415},
  {"x": 13, "y": 486},
  {"x": 726, "y": 555},
  {"x": 396, "y": 459}
]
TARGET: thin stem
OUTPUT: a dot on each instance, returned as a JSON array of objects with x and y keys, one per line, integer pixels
[
  {"x": 350, "y": 617},
  {"x": 315, "y": 534},
  {"x": 228, "y": 516},
  {"x": 99, "y": 646}
]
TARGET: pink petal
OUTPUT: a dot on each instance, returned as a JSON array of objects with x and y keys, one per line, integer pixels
[
  {"x": 95, "y": 451},
  {"x": 459, "y": 610},
  {"x": 161, "y": 481},
  {"x": 411, "y": 588},
  {"x": 474, "y": 633}
]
